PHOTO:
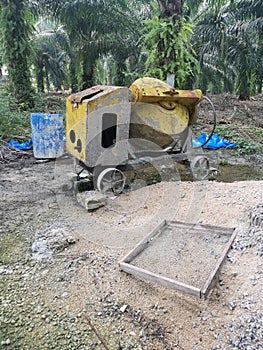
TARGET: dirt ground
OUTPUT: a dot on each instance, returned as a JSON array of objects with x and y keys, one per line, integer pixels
[{"x": 60, "y": 283}]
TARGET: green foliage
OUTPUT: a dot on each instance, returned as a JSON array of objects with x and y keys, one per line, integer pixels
[
  {"x": 40, "y": 102},
  {"x": 52, "y": 50},
  {"x": 223, "y": 161},
  {"x": 16, "y": 26},
  {"x": 249, "y": 140},
  {"x": 228, "y": 39},
  {"x": 170, "y": 52},
  {"x": 13, "y": 122},
  {"x": 94, "y": 29}
]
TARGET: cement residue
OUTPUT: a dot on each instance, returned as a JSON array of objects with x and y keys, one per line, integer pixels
[
  {"x": 52, "y": 239},
  {"x": 184, "y": 254}
]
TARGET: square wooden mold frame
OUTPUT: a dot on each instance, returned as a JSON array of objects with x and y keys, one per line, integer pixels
[{"x": 182, "y": 256}]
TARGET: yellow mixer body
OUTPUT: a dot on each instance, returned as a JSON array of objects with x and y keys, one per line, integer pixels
[
  {"x": 160, "y": 112},
  {"x": 101, "y": 120}
]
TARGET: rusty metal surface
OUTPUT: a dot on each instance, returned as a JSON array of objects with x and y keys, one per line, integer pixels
[
  {"x": 150, "y": 109},
  {"x": 150, "y": 90},
  {"x": 76, "y": 129},
  {"x": 85, "y": 94},
  {"x": 152, "y": 122},
  {"x": 91, "y": 93},
  {"x": 84, "y": 126},
  {"x": 154, "y": 90}
]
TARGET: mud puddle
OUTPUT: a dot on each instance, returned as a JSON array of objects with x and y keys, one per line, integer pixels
[{"x": 231, "y": 173}]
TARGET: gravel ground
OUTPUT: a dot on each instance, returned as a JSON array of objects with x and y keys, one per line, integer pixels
[{"x": 60, "y": 286}]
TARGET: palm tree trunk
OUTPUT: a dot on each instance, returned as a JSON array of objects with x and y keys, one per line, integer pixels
[
  {"x": 260, "y": 85},
  {"x": 40, "y": 75},
  {"x": 15, "y": 32},
  {"x": 87, "y": 75},
  {"x": 171, "y": 8},
  {"x": 73, "y": 73}
]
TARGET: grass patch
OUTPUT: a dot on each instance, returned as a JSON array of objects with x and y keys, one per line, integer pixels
[
  {"x": 10, "y": 249},
  {"x": 12, "y": 122},
  {"x": 249, "y": 140},
  {"x": 15, "y": 122}
]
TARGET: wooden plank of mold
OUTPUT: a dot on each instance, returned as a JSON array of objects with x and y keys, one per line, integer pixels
[
  {"x": 211, "y": 279},
  {"x": 164, "y": 281},
  {"x": 143, "y": 243},
  {"x": 203, "y": 227},
  {"x": 168, "y": 282}
]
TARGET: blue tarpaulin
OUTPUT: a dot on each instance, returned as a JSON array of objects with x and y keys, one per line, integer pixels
[
  {"x": 20, "y": 146},
  {"x": 214, "y": 143}
]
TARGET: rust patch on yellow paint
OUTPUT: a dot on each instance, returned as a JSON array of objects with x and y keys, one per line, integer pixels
[{"x": 76, "y": 115}]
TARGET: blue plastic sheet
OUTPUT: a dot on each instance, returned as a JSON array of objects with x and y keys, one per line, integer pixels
[
  {"x": 214, "y": 143},
  {"x": 20, "y": 146}
]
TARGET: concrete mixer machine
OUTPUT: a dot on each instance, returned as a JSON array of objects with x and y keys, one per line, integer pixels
[{"x": 109, "y": 129}]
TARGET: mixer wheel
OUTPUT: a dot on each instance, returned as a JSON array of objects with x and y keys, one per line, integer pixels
[
  {"x": 110, "y": 181},
  {"x": 199, "y": 167}
]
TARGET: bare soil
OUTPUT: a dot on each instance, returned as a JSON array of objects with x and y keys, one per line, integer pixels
[
  {"x": 60, "y": 285},
  {"x": 230, "y": 110}
]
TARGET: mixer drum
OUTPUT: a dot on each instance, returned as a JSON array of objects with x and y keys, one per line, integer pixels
[
  {"x": 160, "y": 113},
  {"x": 153, "y": 122}
]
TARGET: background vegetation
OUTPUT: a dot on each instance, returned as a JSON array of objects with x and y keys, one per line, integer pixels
[
  {"x": 62, "y": 44},
  {"x": 215, "y": 45}
]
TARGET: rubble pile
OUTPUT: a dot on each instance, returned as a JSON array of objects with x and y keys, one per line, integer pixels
[{"x": 9, "y": 154}]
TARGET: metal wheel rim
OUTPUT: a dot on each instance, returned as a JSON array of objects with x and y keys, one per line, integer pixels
[
  {"x": 111, "y": 181},
  {"x": 200, "y": 168}
]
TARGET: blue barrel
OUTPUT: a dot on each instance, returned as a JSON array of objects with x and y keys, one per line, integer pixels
[{"x": 47, "y": 135}]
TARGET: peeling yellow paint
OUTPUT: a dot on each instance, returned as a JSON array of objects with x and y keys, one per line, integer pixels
[
  {"x": 149, "y": 109},
  {"x": 76, "y": 116}
]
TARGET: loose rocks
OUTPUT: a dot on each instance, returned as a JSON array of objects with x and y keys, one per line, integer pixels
[
  {"x": 55, "y": 238},
  {"x": 91, "y": 200}
]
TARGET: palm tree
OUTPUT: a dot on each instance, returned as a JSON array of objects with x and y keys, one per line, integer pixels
[
  {"x": 228, "y": 39},
  {"x": 91, "y": 32},
  {"x": 171, "y": 8},
  {"x": 51, "y": 55},
  {"x": 127, "y": 46},
  {"x": 16, "y": 28},
  {"x": 247, "y": 29},
  {"x": 210, "y": 41}
]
